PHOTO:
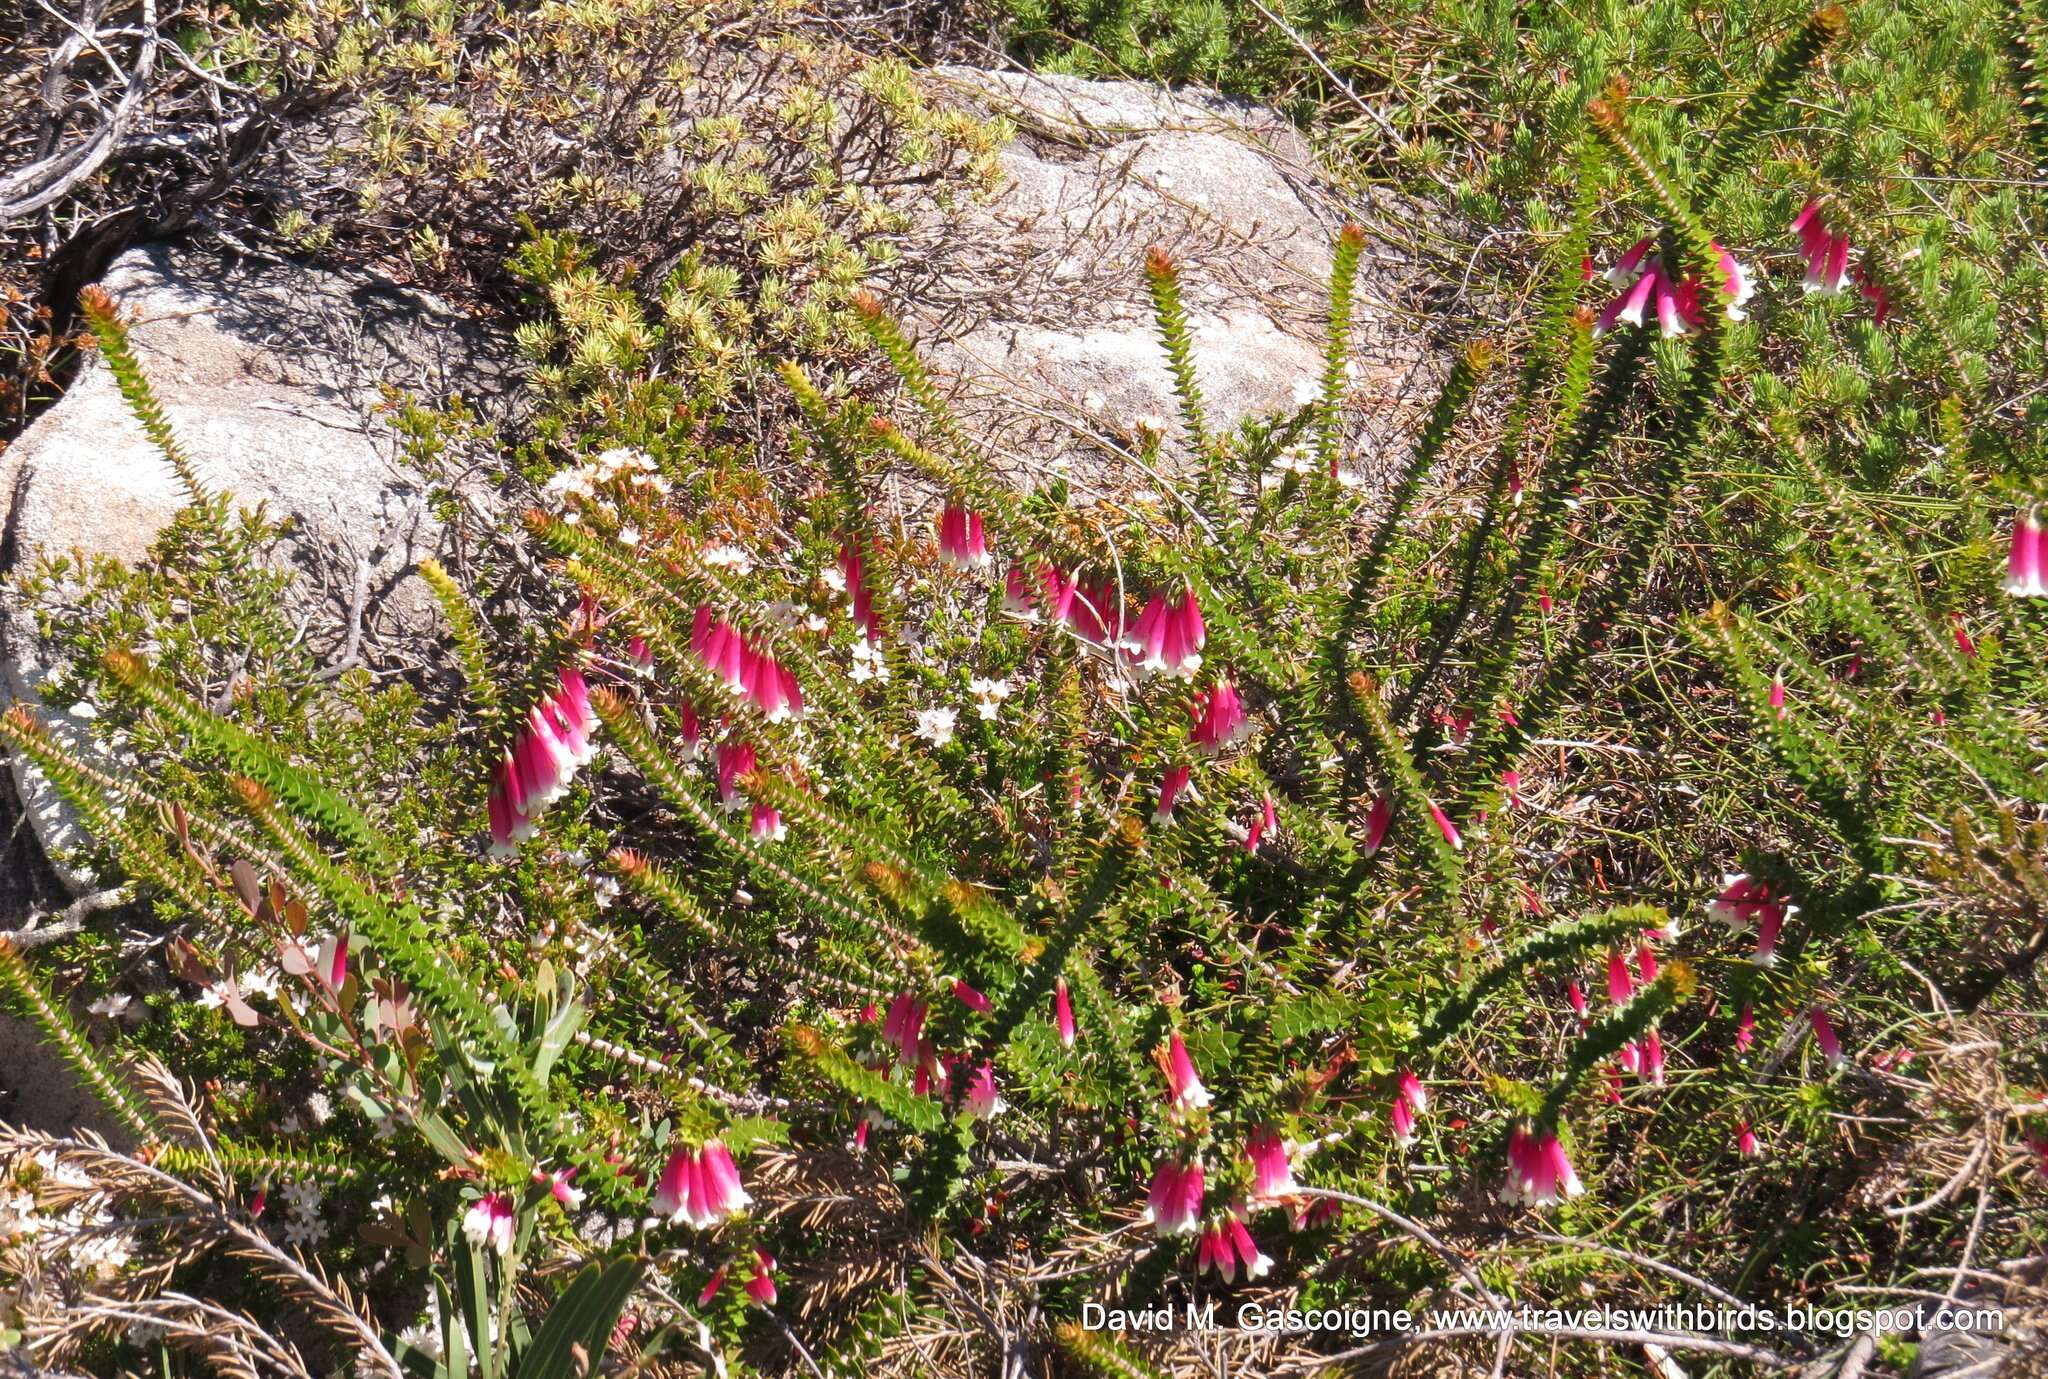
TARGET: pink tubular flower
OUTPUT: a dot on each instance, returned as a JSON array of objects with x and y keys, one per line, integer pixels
[
  {"x": 961, "y": 542},
  {"x": 560, "y": 1188},
  {"x": 555, "y": 742},
  {"x": 1171, "y": 787},
  {"x": 1272, "y": 1165},
  {"x": 490, "y": 1222},
  {"x": 1824, "y": 1036},
  {"x": 761, "y": 1287},
  {"x": 1170, "y": 634},
  {"x": 640, "y": 656},
  {"x": 904, "y": 1027},
  {"x": 1576, "y": 995},
  {"x": 1267, "y": 822},
  {"x": 1227, "y": 1244},
  {"x": 1621, "y": 983},
  {"x": 1184, "y": 1089},
  {"x": 765, "y": 825},
  {"x": 1017, "y": 595},
  {"x": 861, "y": 599},
  {"x": 1220, "y": 719},
  {"x": 1539, "y": 1173},
  {"x": 1653, "y": 1059},
  {"x": 1446, "y": 827},
  {"x": 700, "y": 1187},
  {"x": 1745, "y": 1142},
  {"x": 1063, "y": 1013},
  {"x": 1378, "y": 820},
  {"x": 735, "y": 759},
  {"x": 1402, "y": 1121},
  {"x": 1745, "y": 1030},
  {"x": 1964, "y": 642},
  {"x": 969, "y": 997},
  {"x": 1777, "y": 695},
  {"x": 1826, "y": 254},
  {"x": 1646, "y": 963},
  {"x": 1410, "y": 1089},
  {"x": 2026, "y": 567},
  {"x": 1646, "y": 283},
  {"x": 1174, "y": 1205},
  {"x": 983, "y": 1100},
  {"x": 711, "y": 1287},
  {"x": 1770, "y": 921},
  {"x": 691, "y": 728}
]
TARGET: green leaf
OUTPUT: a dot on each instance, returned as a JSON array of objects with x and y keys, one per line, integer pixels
[{"x": 584, "y": 1315}]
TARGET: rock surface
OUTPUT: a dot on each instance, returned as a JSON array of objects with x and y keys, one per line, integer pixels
[{"x": 1038, "y": 302}]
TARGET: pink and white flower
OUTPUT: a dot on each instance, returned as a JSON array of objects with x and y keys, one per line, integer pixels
[
  {"x": 1174, "y": 1205},
  {"x": 761, "y": 1287},
  {"x": 1184, "y": 1089},
  {"x": 1174, "y": 784},
  {"x": 1746, "y": 1142},
  {"x": 555, "y": 742},
  {"x": 1227, "y": 1244},
  {"x": 1220, "y": 719},
  {"x": 1824, "y": 1036},
  {"x": 2026, "y": 566},
  {"x": 904, "y": 1028},
  {"x": 1745, "y": 1030},
  {"x": 1378, "y": 820},
  {"x": 700, "y": 1187},
  {"x": 1268, "y": 822},
  {"x": 491, "y": 1222},
  {"x": 1539, "y": 1172},
  {"x": 983, "y": 1099},
  {"x": 1826, "y": 253},
  {"x": 1063, "y": 1013},
  {"x": 1272, "y": 1163},
  {"x": 1170, "y": 634},
  {"x": 962, "y": 544}
]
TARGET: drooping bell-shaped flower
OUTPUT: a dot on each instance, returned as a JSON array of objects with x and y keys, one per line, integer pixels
[
  {"x": 1172, "y": 786},
  {"x": 1410, "y": 1089},
  {"x": 1174, "y": 1205},
  {"x": 1746, "y": 1143},
  {"x": 640, "y": 656},
  {"x": 491, "y": 1222},
  {"x": 1777, "y": 696},
  {"x": 1770, "y": 921},
  {"x": 1271, "y": 1161},
  {"x": 761, "y": 1287},
  {"x": 1267, "y": 822},
  {"x": 962, "y": 544},
  {"x": 1576, "y": 995},
  {"x": 735, "y": 759},
  {"x": 1965, "y": 643},
  {"x": 765, "y": 825},
  {"x": 1170, "y": 634},
  {"x": 1653, "y": 1058},
  {"x": 969, "y": 997},
  {"x": 1539, "y": 1172},
  {"x": 1621, "y": 983},
  {"x": 691, "y": 730},
  {"x": 1249, "y": 1255},
  {"x": 1826, "y": 253},
  {"x": 1401, "y": 1120},
  {"x": 1646, "y": 963},
  {"x": 711, "y": 1287},
  {"x": 983, "y": 1099},
  {"x": 1378, "y": 820},
  {"x": 904, "y": 1027},
  {"x": 1184, "y": 1089},
  {"x": 2026, "y": 566},
  {"x": 1824, "y": 1036},
  {"x": 1446, "y": 827},
  {"x": 1017, "y": 596},
  {"x": 1063, "y": 1013},
  {"x": 1220, "y": 719},
  {"x": 700, "y": 1187},
  {"x": 556, "y": 740},
  {"x": 860, "y": 598},
  {"x": 1745, "y": 1029}
]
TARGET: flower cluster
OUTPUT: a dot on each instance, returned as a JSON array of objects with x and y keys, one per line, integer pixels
[
  {"x": 1646, "y": 282},
  {"x": 700, "y": 1187},
  {"x": 555, "y": 743},
  {"x": 748, "y": 671},
  {"x": 1539, "y": 1172}
]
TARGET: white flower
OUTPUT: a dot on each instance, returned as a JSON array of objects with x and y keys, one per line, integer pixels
[
  {"x": 1306, "y": 390},
  {"x": 261, "y": 981},
  {"x": 113, "y": 1005},
  {"x": 936, "y": 725},
  {"x": 729, "y": 558},
  {"x": 425, "y": 1337},
  {"x": 17, "y": 1216},
  {"x": 833, "y": 578},
  {"x": 629, "y": 536},
  {"x": 989, "y": 695},
  {"x": 868, "y": 662}
]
